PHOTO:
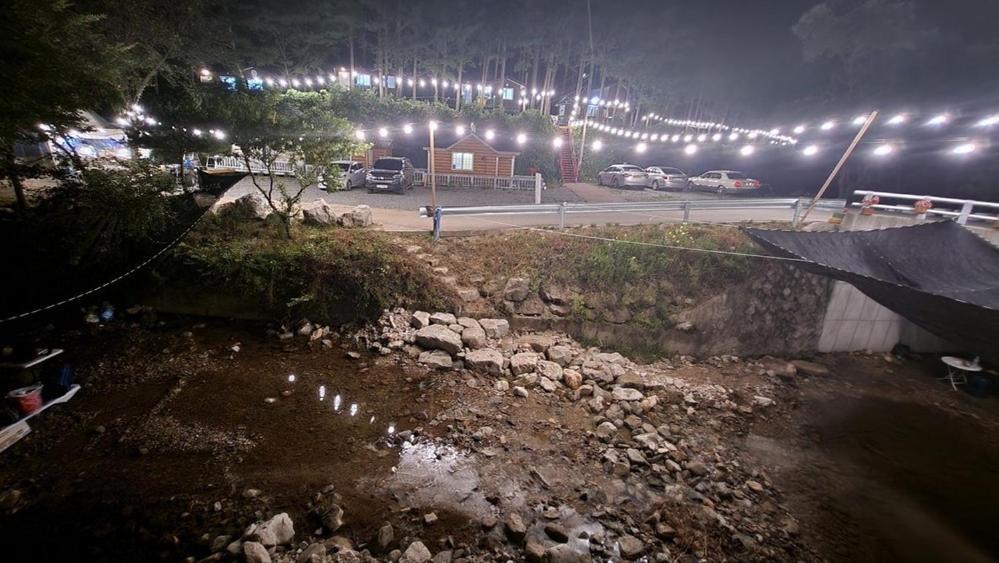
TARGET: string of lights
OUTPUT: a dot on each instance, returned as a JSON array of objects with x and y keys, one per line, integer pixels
[{"x": 321, "y": 80}]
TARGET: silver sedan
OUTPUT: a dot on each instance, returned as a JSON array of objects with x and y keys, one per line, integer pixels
[
  {"x": 666, "y": 178},
  {"x": 623, "y": 176}
]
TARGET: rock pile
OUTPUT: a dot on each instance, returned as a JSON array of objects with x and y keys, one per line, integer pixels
[
  {"x": 649, "y": 427},
  {"x": 316, "y": 212}
]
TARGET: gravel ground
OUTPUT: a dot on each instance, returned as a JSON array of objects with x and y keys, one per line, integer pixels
[{"x": 420, "y": 196}]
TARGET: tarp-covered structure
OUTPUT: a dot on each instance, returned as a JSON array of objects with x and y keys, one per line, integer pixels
[{"x": 938, "y": 275}]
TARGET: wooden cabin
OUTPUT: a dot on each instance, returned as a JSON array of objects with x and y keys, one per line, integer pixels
[
  {"x": 473, "y": 156},
  {"x": 374, "y": 152}
]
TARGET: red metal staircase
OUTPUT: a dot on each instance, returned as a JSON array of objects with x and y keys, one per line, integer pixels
[{"x": 567, "y": 156}]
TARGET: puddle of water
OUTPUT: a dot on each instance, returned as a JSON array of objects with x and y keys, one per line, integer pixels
[{"x": 432, "y": 475}]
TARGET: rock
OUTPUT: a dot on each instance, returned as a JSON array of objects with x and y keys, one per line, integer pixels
[
  {"x": 439, "y": 337},
  {"x": 469, "y": 322},
  {"x": 606, "y": 430},
  {"x": 333, "y": 518},
  {"x": 527, "y": 381},
  {"x": 416, "y": 553},
  {"x": 386, "y": 535},
  {"x": 635, "y": 457},
  {"x": 540, "y": 343},
  {"x": 516, "y": 289},
  {"x": 561, "y": 355},
  {"x": 361, "y": 216},
  {"x": 761, "y": 401},
  {"x": 664, "y": 531},
  {"x": 626, "y": 394},
  {"x": 235, "y": 548},
  {"x": 549, "y": 369},
  {"x": 279, "y": 530},
  {"x": 437, "y": 359},
  {"x": 315, "y": 553},
  {"x": 533, "y": 306},
  {"x": 697, "y": 468},
  {"x": 556, "y": 532},
  {"x": 564, "y": 553},
  {"x": 443, "y": 556},
  {"x": 572, "y": 378},
  {"x": 534, "y": 551},
  {"x": 316, "y": 212},
  {"x": 553, "y": 293},
  {"x": 631, "y": 380},
  {"x": 502, "y": 385},
  {"x": 420, "y": 319},
  {"x": 443, "y": 319},
  {"x": 487, "y": 361},
  {"x": 547, "y": 384},
  {"x": 305, "y": 329},
  {"x": 495, "y": 328},
  {"x": 429, "y": 518},
  {"x": 255, "y": 552},
  {"x": 219, "y": 543},
  {"x": 520, "y": 392},
  {"x": 810, "y": 368},
  {"x": 754, "y": 486},
  {"x": 685, "y": 326},
  {"x": 523, "y": 362},
  {"x": 250, "y": 206},
  {"x": 630, "y": 546},
  {"x": 474, "y": 337},
  {"x": 515, "y": 527}
]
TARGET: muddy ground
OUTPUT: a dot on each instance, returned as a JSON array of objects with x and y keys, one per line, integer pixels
[{"x": 177, "y": 438}]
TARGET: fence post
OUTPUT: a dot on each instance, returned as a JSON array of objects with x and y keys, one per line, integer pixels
[
  {"x": 965, "y": 211},
  {"x": 797, "y": 213},
  {"x": 561, "y": 216},
  {"x": 686, "y": 211},
  {"x": 438, "y": 219},
  {"x": 537, "y": 188}
]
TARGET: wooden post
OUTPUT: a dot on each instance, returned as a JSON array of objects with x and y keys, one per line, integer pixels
[
  {"x": 839, "y": 165},
  {"x": 537, "y": 188},
  {"x": 433, "y": 178},
  {"x": 496, "y": 173}
]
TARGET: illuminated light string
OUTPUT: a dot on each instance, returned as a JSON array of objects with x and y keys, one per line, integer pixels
[{"x": 321, "y": 80}]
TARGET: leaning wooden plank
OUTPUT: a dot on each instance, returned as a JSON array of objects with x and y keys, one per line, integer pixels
[{"x": 12, "y": 433}]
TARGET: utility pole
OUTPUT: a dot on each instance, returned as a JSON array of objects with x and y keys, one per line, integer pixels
[{"x": 430, "y": 167}]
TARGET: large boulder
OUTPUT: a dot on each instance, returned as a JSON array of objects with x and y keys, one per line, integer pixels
[
  {"x": 361, "y": 216},
  {"x": 488, "y": 361},
  {"x": 443, "y": 319},
  {"x": 474, "y": 337},
  {"x": 516, "y": 289},
  {"x": 549, "y": 369},
  {"x": 249, "y": 206},
  {"x": 439, "y": 337},
  {"x": 416, "y": 553},
  {"x": 437, "y": 359},
  {"x": 626, "y": 394},
  {"x": 495, "y": 328},
  {"x": 279, "y": 530},
  {"x": 254, "y": 552},
  {"x": 561, "y": 355},
  {"x": 318, "y": 213},
  {"x": 524, "y": 362},
  {"x": 420, "y": 319}
]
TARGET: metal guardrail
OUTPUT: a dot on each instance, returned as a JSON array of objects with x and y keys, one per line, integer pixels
[
  {"x": 795, "y": 205},
  {"x": 961, "y": 209}
]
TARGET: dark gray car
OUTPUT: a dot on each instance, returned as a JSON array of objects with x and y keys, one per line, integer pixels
[{"x": 390, "y": 174}]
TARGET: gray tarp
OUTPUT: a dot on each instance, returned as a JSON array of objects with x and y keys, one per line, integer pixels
[{"x": 938, "y": 275}]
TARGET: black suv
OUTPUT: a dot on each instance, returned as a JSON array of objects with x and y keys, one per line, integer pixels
[{"x": 390, "y": 174}]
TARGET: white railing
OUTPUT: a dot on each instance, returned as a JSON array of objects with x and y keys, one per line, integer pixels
[
  {"x": 958, "y": 209},
  {"x": 278, "y": 167},
  {"x": 420, "y": 178},
  {"x": 794, "y": 205}
]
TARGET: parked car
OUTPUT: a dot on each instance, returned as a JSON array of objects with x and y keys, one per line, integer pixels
[
  {"x": 390, "y": 173},
  {"x": 666, "y": 178},
  {"x": 623, "y": 175},
  {"x": 724, "y": 182},
  {"x": 352, "y": 174}
]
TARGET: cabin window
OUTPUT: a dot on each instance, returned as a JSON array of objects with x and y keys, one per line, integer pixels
[
  {"x": 363, "y": 80},
  {"x": 507, "y": 93},
  {"x": 390, "y": 82},
  {"x": 461, "y": 160}
]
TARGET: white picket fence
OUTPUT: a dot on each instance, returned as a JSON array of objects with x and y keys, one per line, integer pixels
[{"x": 421, "y": 178}]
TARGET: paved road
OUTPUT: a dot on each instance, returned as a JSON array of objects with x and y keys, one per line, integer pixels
[{"x": 393, "y": 212}]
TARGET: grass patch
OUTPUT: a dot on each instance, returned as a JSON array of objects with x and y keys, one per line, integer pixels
[{"x": 338, "y": 276}]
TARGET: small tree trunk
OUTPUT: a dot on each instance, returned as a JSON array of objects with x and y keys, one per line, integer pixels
[
  {"x": 415, "y": 79},
  {"x": 10, "y": 167},
  {"x": 350, "y": 79}
]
